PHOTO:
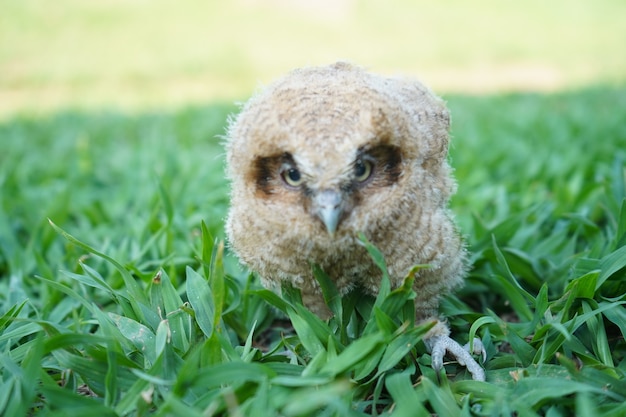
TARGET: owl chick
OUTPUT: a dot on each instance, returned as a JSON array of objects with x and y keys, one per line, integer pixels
[{"x": 328, "y": 152}]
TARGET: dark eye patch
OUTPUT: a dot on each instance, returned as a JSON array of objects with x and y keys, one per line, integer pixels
[
  {"x": 388, "y": 163},
  {"x": 265, "y": 170}
]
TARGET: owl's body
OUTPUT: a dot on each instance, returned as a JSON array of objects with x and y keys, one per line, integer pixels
[{"x": 328, "y": 152}]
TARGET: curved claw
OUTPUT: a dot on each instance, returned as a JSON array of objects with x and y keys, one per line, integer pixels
[{"x": 439, "y": 345}]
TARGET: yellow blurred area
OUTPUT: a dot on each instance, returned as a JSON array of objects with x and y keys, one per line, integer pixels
[{"x": 138, "y": 54}]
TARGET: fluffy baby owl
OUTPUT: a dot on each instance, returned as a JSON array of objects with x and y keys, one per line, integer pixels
[{"x": 326, "y": 153}]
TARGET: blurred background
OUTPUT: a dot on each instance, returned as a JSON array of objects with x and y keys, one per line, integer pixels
[{"x": 160, "y": 54}]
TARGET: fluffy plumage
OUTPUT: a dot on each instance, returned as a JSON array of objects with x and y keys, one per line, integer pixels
[{"x": 327, "y": 152}]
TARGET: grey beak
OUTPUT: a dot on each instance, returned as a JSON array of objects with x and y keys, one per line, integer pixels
[{"x": 328, "y": 206}]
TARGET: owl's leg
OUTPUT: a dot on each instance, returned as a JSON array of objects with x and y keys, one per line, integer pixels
[{"x": 439, "y": 342}]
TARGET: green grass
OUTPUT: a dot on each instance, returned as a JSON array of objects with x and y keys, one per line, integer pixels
[{"x": 129, "y": 295}]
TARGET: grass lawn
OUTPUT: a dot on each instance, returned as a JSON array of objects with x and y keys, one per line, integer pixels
[
  {"x": 118, "y": 297},
  {"x": 131, "y": 298}
]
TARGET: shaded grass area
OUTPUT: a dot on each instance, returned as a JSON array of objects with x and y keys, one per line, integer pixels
[{"x": 130, "y": 305}]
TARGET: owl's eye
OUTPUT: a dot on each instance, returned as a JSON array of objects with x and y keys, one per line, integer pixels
[
  {"x": 362, "y": 170},
  {"x": 292, "y": 177}
]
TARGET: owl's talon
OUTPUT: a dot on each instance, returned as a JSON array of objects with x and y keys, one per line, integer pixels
[
  {"x": 439, "y": 345},
  {"x": 479, "y": 348}
]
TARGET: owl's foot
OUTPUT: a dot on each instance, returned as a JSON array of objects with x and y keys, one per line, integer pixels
[{"x": 441, "y": 344}]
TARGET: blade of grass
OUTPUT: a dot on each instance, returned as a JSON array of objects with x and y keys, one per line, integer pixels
[
  {"x": 601, "y": 345},
  {"x": 208, "y": 243},
  {"x": 309, "y": 338},
  {"x": 180, "y": 323},
  {"x": 352, "y": 355},
  {"x": 441, "y": 398},
  {"x": 217, "y": 285},
  {"x": 407, "y": 402},
  {"x": 201, "y": 299},
  {"x": 329, "y": 291},
  {"x": 379, "y": 260},
  {"x": 610, "y": 264}
]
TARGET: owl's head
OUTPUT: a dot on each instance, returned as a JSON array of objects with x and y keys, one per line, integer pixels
[{"x": 328, "y": 148}]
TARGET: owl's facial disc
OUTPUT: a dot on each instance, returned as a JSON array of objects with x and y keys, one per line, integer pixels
[{"x": 329, "y": 206}]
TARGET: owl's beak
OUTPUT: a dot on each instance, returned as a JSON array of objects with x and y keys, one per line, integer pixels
[{"x": 328, "y": 206}]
